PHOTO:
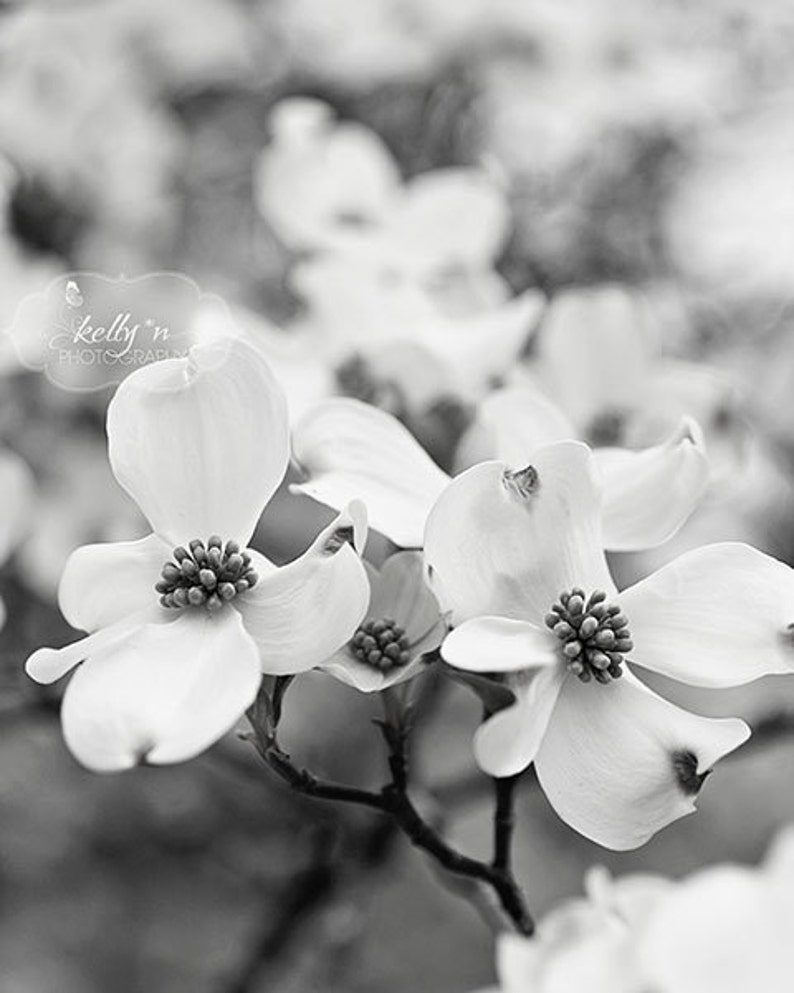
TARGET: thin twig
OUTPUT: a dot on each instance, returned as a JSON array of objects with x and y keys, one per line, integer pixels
[
  {"x": 393, "y": 799},
  {"x": 304, "y": 782},
  {"x": 503, "y": 822}
]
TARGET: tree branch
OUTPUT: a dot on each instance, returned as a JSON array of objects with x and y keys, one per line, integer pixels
[{"x": 503, "y": 822}]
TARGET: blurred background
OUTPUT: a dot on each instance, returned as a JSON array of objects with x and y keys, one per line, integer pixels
[{"x": 647, "y": 145}]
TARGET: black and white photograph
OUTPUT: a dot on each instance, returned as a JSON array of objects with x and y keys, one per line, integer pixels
[{"x": 396, "y": 496}]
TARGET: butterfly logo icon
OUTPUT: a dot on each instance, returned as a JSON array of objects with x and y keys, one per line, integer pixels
[{"x": 73, "y": 295}]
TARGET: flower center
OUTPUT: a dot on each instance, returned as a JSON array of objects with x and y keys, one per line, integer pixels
[
  {"x": 594, "y": 636},
  {"x": 356, "y": 378},
  {"x": 382, "y": 644},
  {"x": 607, "y": 428},
  {"x": 205, "y": 575}
]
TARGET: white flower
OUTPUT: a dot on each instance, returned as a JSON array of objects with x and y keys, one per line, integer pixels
[
  {"x": 176, "y": 651},
  {"x": 329, "y": 185},
  {"x": 584, "y": 943},
  {"x": 725, "y": 929},
  {"x": 516, "y": 557},
  {"x": 356, "y": 43},
  {"x": 598, "y": 360},
  {"x": 402, "y": 624},
  {"x": 353, "y": 313},
  {"x": 347, "y": 449},
  {"x": 647, "y": 493},
  {"x": 320, "y": 179}
]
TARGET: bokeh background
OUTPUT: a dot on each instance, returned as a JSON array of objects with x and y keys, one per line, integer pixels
[{"x": 648, "y": 144}]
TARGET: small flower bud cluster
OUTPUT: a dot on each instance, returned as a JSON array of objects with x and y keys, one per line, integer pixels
[
  {"x": 594, "y": 635},
  {"x": 382, "y": 644},
  {"x": 205, "y": 576}
]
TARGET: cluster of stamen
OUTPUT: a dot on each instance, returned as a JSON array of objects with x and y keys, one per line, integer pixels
[
  {"x": 607, "y": 428},
  {"x": 594, "y": 636},
  {"x": 382, "y": 644},
  {"x": 356, "y": 378},
  {"x": 205, "y": 575}
]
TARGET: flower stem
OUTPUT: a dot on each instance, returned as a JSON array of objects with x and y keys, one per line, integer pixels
[
  {"x": 304, "y": 782},
  {"x": 394, "y": 801},
  {"x": 503, "y": 822}
]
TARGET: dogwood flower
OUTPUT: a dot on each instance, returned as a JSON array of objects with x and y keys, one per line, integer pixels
[
  {"x": 402, "y": 625},
  {"x": 587, "y": 942},
  {"x": 353, "y": 314},
  {"x": 598, "y": 362},
  {"x": 724, "y": 929},
  {"x": 347, "y": 448},
  {"x": 183, "y": 622},
  {"x": 516, "y": 558},
  {"x": 334, "y": 186}
]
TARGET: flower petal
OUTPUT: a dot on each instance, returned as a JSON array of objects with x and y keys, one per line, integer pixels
[
  {"x": 484, "y": 346},
  {"x": 304, "y": 612},
  {"x": 163, "y": 694},
  {"x": 103, "y": 584},
  {"x": 649, "y": 494},
  {"x": 508, "y": 543},
  {"x": 352, "y": 450},
  {"x": 618, "y": 763},
  {"x": 497, "y": 644},
  {"x": 716, "y": 616},
  {"x": 450, "y": 218},
  {"x": 719, "y": 930},
  {"x": 399, "y": 590},
  {"x": 48, "y": 664},
  {"x": 593, "y": 357},
  {"x": 509, "y": 741},
  {"x": 201, "y": 443},
  {"x": 344, "y": 666},
  {"x": 509, "y": 425},
  {"x": 320, "y": 181}
]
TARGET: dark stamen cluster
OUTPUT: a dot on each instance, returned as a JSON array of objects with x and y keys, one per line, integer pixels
[
  {"x": 356, "y": 378},
  {"x": 607, "y": 428},
  {"x": 594, "y": 635},
  {"x": 382, "y": 644},
  {"x": 205, "y": 575}
]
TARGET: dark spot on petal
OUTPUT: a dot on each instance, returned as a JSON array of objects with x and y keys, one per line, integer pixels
[
  {"x": 524, "y": 482},
  {"x": 342, "y": 536},
  {"x": 685, "y": 766}
]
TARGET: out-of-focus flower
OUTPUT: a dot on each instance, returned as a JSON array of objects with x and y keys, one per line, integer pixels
[
  {"x": 328, "y": 185},
  {"x": 402, "y": 625},
  {"x": 731, "y": 222},
  {"x": 353, "y": 314},
  {"x": 17, "y": 489},
  {"x": 78, "y": 501},
  {"x": 346, "y": 447},
  {"x": 586, "y": 72},
  {"x": 176, "y": 651},
  {"x": 321, "y": 180},
  {"x": 62, "y": 78},
  {"x": 587, "y": 942},
  {"x": 598, "y": 360},
  {"x": 724, "y": 929},
  {"x": 516, "y": 557},
  {"x": 183, "y": 45},
  {"x": 356, "y": 42}
]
